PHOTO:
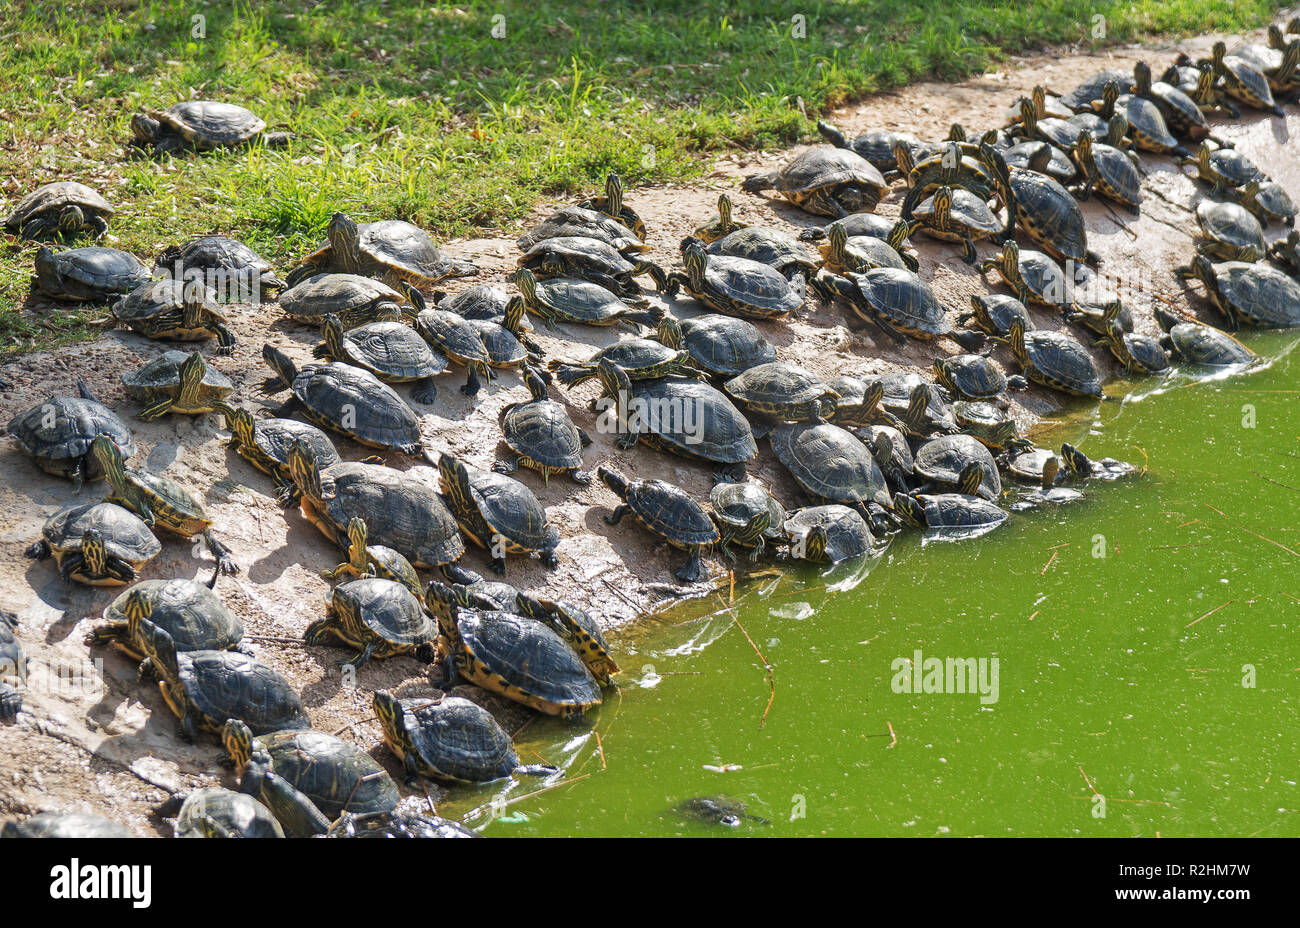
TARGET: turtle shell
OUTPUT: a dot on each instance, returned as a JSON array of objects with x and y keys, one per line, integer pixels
[
  {"x": 830, "y": 463},
  {"x": 224, "y": 813},
  {"x": 224, "y": 259},
  {"x": 904, "y": 299},
  {"x": 1090, "y": 89},
  {"x": 941, "y": 460},
  {"x": 955, "y": 510},
  {"x": 89, "y": 274},
  {"x": 970, "y": 214},
  {"x": 724, "y": 345},
  {"x": 1118, "y": 173},
  {"x": 1050, "y": 159},
  {"x": 54, "y": 197},
  {"x": 207, "y": 124},
  {"x": 637, "y": 355},
  {"x": 380, "y": 417},
  {"x": 871, "y": 225},
  {"x": 392, "y": 351},
  {"x": 341, "y": 294},
  {"x": 1000, "y": 309},
  {"x": 1146, "y": 125},
  {"x": 735, "y": 504},
  {"x": 503, "y": 347},
  {"x": 668, "y": 511},
  {"x": 577, "y": 300},
  {"x": 902, "y": 451},
  {"x": 336, "y": 775},
  {"x": 1029, "y": 465},
  {"x": 972, "y": 375},
  {"x": 1233, "y": 168},
  {"x": 1062, "y": 361},
  {"x": 1203, "y": 344},
  {"x": 776, "y": 388},
  {"x": 408, "y": 251},
  {"x": 847, "y": 534},
  {"x": 1050, "y": 215},
  {"x": 1230, "y": 224},
  {"x": 192, "y": 614},
  {"x": 578, "y": 251},
  {"x": 389, "y": 610},
  {"x": 718, "y": 432},
  {"x": 1246, "y": 82},
  {"x": 898, "y": 394},
  {"x": 125, "y": 535},
  {"x": 542, "y": 431},
  {"x": 159, "y": 298},
  {"x": 826, "y": 166},
  {"x": 65, "y": 825},
  {"x": 401, "y": 512},
  {"x": 223, "y": 685},
  {"x": 766, "y": 246},
  {"x": 510, "y": 509},
  {"x": 453, "y": 335},
  {"x": 1259, "y": 295},
  {"x": 59, "y": 432},
  {"x": 525, "y": 659},
  {"x": 1275, "y": 202},
  {"x": 485, "y": 301},
  {"x": 458, "y": 739},
  {"x": 1044, "y": 278},
  {"x": 162, "y": 377},
  {"x": 740, "y": 285},
  {"x": 577, "y": 222},
  {"x": 274, "y": 436}
]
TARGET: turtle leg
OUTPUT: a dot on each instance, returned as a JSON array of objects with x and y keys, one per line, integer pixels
[
  {"x": 72, "y": 562},
  {"x": 119, "y": 570},
  {"x": 498, "y": 565},
  {"x": 549, "y": 560},
  {"x": 617, "y": 515},
  {"x": 225, "y": 562},
  {"x": 412, "y": 769},
  {"x": 359, "y": 660},
  {"x": 158, "y": 409},
  {"x": 425, "y": 391},
  {"x": 100, "y": 225},
  {"x": 509, "y": 466},
  {"x": 581, "y": 476},
  {"x": 471, "y": 385},
  {"x": 296, "y": 812},
  {"x": 969, "y": 254},
  {"x": 692, "y": 571},
  {"x": 225, "y": 340},
  {"x": 534, "y": 770},
  {"x": 286, "y": 491}
]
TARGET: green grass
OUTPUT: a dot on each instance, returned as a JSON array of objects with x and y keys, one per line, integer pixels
[{"x": 415, "y": 110}]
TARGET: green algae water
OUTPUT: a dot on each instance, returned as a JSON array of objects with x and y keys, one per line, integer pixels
[{"x": 1148, "y": 662}]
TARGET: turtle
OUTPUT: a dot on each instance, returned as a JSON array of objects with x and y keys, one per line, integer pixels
[
  {"x": 1045, "y": 210},
  {"x": 952, "y": 166},
  {"x": 832, "y": 466},
  {"x": 449, "y": 738},
  {"x": 898, "y": 302},
  {"x": 1267, "y": 200},
  {"x": 988, "y": 424},
  {"x": 949, "y": 511},
  {"x": 1028, "y": 465},
  {"x": 772, "y": 247},
  {"x": 1036, "y": 155},
  {"x": 1243, "y": 81},
  {"x": 65, "y": 825},
  {"x": 591, "y": 260},
  {"x": 571, "y": 221},
  {"x": 576, "y": 626},
  {"x": 12, "y": 665},
  {"x": 717, "y": 810},
  {"x": 391, "y": 250},
  {"x": 229, "y": 268},
  {"x": 1286, "y": 252},
  {"x": 1037, "y": 279},
  {"x": 205, "y": 688},
  {"x": 63, "y": 209},
  {"x": 1200, "y": 344},
  {"x": 401, "y": 512},
  {"x": 1046, "y": 105},
  {"x": 59, "y": 431},
  {"x": 843, "y": 253},
  {"x": 956, "y": 215},
  {"x": 1139, "y": 354},
  {"x": 945, "y": 463},
  {"x": 487, "y": 302},
  {"x": 876, "y": 146},
  {"x": 393, "y": 352},
  {"x": 677, "y": 415},
  {"x": 1278, "y": 60},
  {"x": 175, "y": 310},
  {"x": 1081, "y": 96},
  {"x": 669, "y": 513},
  {"x": 826, "y": 181},
  {"x": 176, "y": 382},
  {"x": 367, "y": 560},
  {"x": 734, "y": 507},
  {"x": 1095, "y": 318},
  {"x": 159, "y": 501},
  {"x": 782, "y": 391},
  {"x": 1047, "y": 493},
  {"x": 356, "y": 300},
  {"x": 264, "y": 443},
  {"x": 993, "y": 313},
  {"x": 1108, "y": 171},
  {"x": 722, "y": 346},
  {"x": 308, "y": 778},
  {"x": 613, "y": 206},
  {"x": 736, "y": 286},
  {"x": 1055, "y": 360},
  {"x": 495, "y": 595},
  {"x": 915, "y": 406},
  {"x": 188, "y": 611},
  {"x": 972, "y": 376},
  {"x": 568, "y": 299},
  {"x": 827, "y": 534},
  {"x": 99, "y": 544},
  {"x": 216, "y": 812},
  {"x": 1145, "y": 124},
  {"x": 1080, "y": 465},
  {"x": 859, "y": 400},
  {"x": 1223, "y": 168},
  {"x": 456, "y": 338},
  {"x": 640, "y": 358},
  {"x": 1058, "y": 132},
  {"x": 497, "y": 513},
  {"x": 1232, "y": 232},
  {"x": 504, "y": 341},
  {"x": 720, "y": 226},
  {"x": 856, "y": 225},
  {"x": 1249, "y": 294},
  {"x": 1181, "y": 113},
  {"x": 382, "y": 618},
  {"x": 347, "y": 400},
  {"x": 541, "y": 436},
  {"x": 519, "y": 657},
  {"x": 201, "y": 125},
  {"x": 88, "y": 275}
]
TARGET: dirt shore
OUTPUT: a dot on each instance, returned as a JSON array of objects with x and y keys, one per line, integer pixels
[{"x": 114, "y": 751}]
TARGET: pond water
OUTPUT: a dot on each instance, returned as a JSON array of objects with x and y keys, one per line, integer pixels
[{"x": 1144, "y": 642}]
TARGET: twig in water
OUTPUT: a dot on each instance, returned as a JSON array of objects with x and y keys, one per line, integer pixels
[
  {"x": 600, "y": 746},
  {"x": 1089, "y": 782},
  {"x": 1049, "y": 563},
  {"x": 892, "y": 734},
  {"x": 546, "y": 789},
  {"x": 1210, "y": 613},
  {"x": 771, "y": 679}
]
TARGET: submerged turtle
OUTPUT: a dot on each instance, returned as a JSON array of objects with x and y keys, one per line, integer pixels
[
  {"x": 497, "y": 513},
  {"x": 898, "y": 302},
  {"x": 401, "y": 512},
  {"x": 390, "y": 250},
  {"x": 825, "y": 180},
  {"x": 722, "y": 346},
  {"x": 175, "y": 382},
  {"x": 159, "y": 501},
  {"x": 264, "y": 443},
  {"x": 736, "y": 286},
  {"x": 1201, "y": 344},
  {"x": 783, "y": 391},
  {"x": 99, "y": 544},
  {"x": 827, "y": 534},
  {"x": 516, "y": 656},
  {"x": 1249, "y": 293},
  {"x": 449, "y": 738},
  {"x": 347, "y": 400},
  {"x": 354, "y": 299},
  {"x": 58, "y": 434},
  {"x": 88, "y": 275},
  {"x": 229, "y": 267},
  {"x": 669, "y": 513},
  {"x": 222, "y": 813},
  {"x": 201, "y": 125},
  {"x": 1055, "y": 360},
  {"x": 393, "y": 352},
  {"x": 175, "y": 310},
  {"x": 717, "y": 810},
  {"x": 65, "y": 209},
  {"x": 308, "y": 778},
  {"x": 541, "y": 436},
  {"x": 735, "y": 506},
  {"x": 381, "y": 617},
  {"x": 188, "y": 611}
]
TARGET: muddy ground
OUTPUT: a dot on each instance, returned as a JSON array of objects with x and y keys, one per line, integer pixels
[{"x": 111, "y": 748}]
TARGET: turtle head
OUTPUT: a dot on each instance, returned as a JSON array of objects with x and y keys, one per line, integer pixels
[
  {"x": 613, "y": 479},
  {"x": 837, "y": 237},
  {"x": 71, "y": 220},
  {"x": 873, "y": 394},
  {"x": 1009, "y": 257},
  {"x": 109, "y": 456},
  {"x": 1141, "y": 78},
  {"x": 304, "y": 471},
  {"x": 137, "y": 609},
  {"x": 1276, "y": 38},
  {"x": 1039, "y": 96},
  {"x": 279, "y": 362},
  {"x": 724, "y": 211},
  {"x": 942, "y": 206},
  {"x": 345, "y": 241},
  {"x": 331, "y": 330},
  {"x": 814, "y": 543},
  {"x": 1116, "y": 129},
  {"x": 155, "y": 641},
  {"x": 527, "y": 284},
  {"x": 1076, "y": 462},
  {"x": 941, "y": 373},
  {"x": 514, "y": 316},
  {"x": 1109, "y": 96},
  {"x": 669, "y": 332},
  {"x": 883, "y": 449},
  {"x": 237, "y": 738},
  {"x": 994, "y": 161},
  {"x": 389, "y": 711},
  {"x": 454, "y": 475},
  {"x": 94, "y": 553},
  {"x": 1050, "y": 469},
  {"x": 358, "y": 538},
  {"x": 1202, "y": 269},
  {"x": 443, "y": 600},
  {"x": 145, "y": 128},
  {"x": 241, "y": 425},
  {"x": 192, "y": 373},
  {"x": 1028, "y": 113},
  {"x": 535, "y": 383},
  {"x": 694, "y": 258},
  {"x": 1249, "y": 192},
  {"x": 903, "y": 158},
  {"x": 1204, "y": 91},
  {"x": 1218, "y": 53},
  {"x": 1110, "y": 313},
  {"x": 1083, "y": 145},
  {"x": 917, "y": 403},
  {"x": 1016, "y": 337},
  {"x": 970, "y": 478},
  {"x": 956, "y": 133},
  {"x": 898, "y": 235},
  {"x": 1166, "y": 319},
  {"x": 909, "y": 509},
  {"x": 613, "y": 194},
  {"x": 613, "y": 379}
]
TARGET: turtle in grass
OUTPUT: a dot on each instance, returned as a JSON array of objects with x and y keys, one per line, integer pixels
[
  {"x": 88, "y": 275},
  {"x": 65, "y": 209},
  {"x": 201, "y": 125},
  {"x": 390, "y": 250},
  {"x": 233, "y": 270}
]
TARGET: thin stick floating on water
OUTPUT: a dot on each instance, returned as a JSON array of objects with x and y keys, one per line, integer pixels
[
  {"x": 892, "y": 734},
  {"x": 1278, "y": 483},
  {"x": 600, "y": 746},
  {"x": 1051, "y": 560},
  {"x": 1195, "y": 544},
  {"x": 1210, "y": 613},
  {"x": 771, "y": 679}
]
